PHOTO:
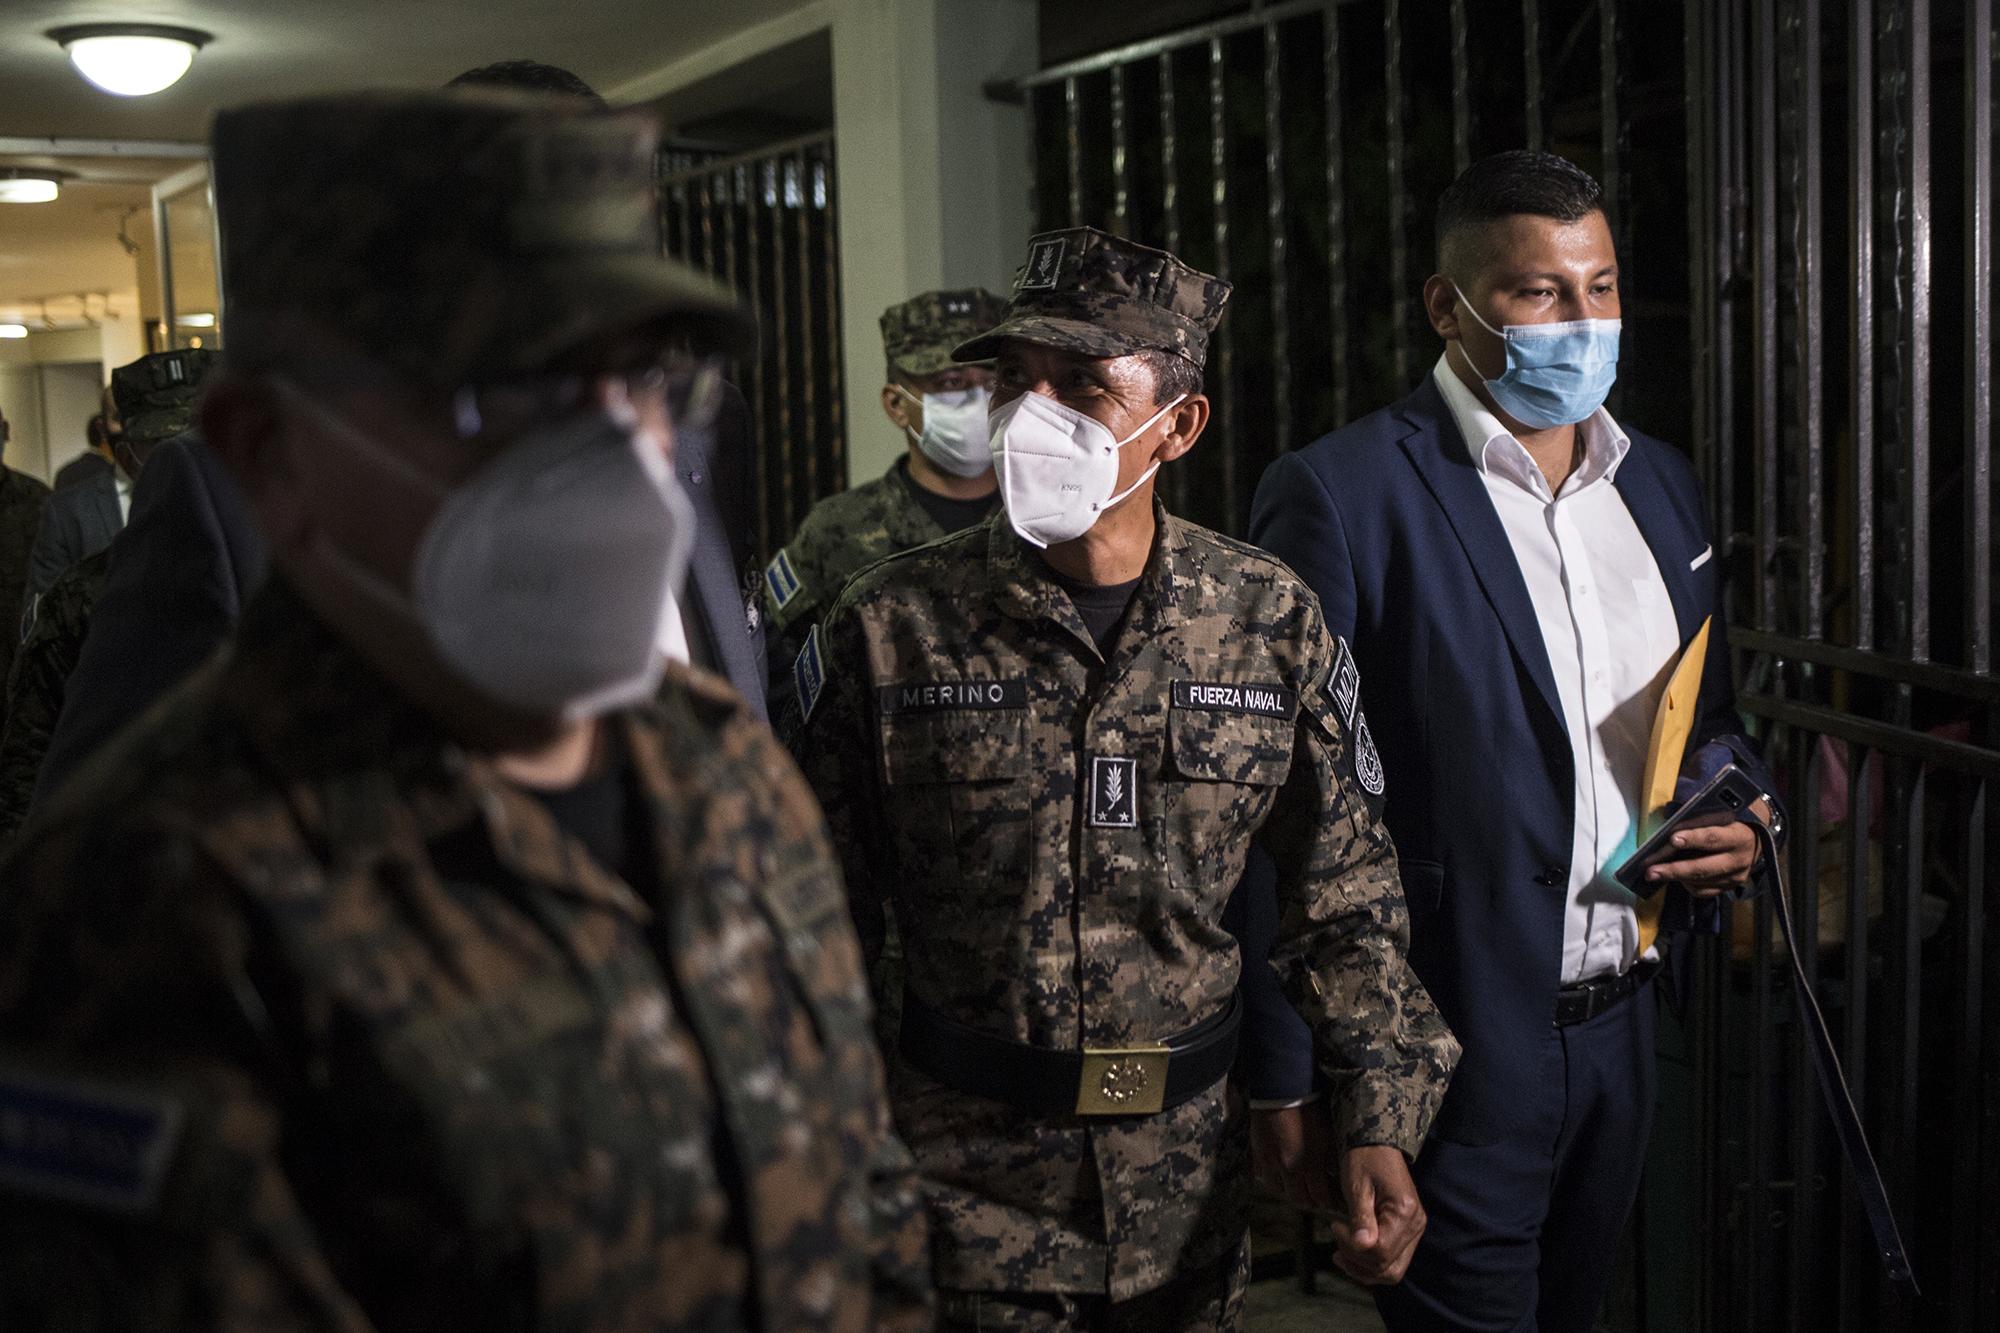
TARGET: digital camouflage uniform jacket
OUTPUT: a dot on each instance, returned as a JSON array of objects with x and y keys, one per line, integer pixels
[
  {"x": 843, "y": 535},
  {"x": 21, "y": 498},
  {"x": 1060, "y": 838},
  {"x": 290, "y": 1074},
  {"x": 40, "y": 676}
]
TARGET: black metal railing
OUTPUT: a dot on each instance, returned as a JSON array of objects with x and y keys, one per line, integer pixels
[
  {"x": 1802, "y": 196},
  {"x": 763, "y": 222}
]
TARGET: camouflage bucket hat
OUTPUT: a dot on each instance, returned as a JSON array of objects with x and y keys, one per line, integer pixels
[
  {"x": 155, "y": 395},
  {"x": 458, "y": 236},
  {"x": 918, "y": 335},
  {"x": 1084, "y": 290}
]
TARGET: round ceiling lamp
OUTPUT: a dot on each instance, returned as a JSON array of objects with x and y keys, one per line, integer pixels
[
  {"x": 130, "y": 59},
  {"x": 30, "y": 187}
]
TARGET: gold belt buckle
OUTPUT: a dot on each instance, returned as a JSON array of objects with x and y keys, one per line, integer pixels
[{"x": 1122, "y": 1080}]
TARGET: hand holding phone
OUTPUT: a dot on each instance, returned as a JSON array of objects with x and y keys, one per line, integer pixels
[{"x": 1725, "y": 798}]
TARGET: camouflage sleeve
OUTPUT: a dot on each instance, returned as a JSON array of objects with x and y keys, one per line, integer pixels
[
  {"x": 35, "y": 686},
  {"x": 899, "y": 1260},
  {"x": 836, "y": 748},
  {"x": 154, "y": 1195},
  {"x": 1342, "y": 949}
]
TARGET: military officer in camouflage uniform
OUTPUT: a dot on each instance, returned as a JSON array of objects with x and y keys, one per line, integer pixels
[
  {"x": 411, "y": 967},
  {"x": 21, "y": 500},
  {"x": 1052, "y": 739},
  {"x": 943, "y": 485}
]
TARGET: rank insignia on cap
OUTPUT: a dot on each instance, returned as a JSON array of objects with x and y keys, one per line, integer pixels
[
  {"x": 1345, "y": 682},
  {"x": 1367, "y": 761},
  {"x": 779, "y": 580},
  {"x": 1114, "y": 792},
  {"x": 1044, "y": 263},
  {"x": 809, "y": 675},
  {"x": 100, "y": 1145}
]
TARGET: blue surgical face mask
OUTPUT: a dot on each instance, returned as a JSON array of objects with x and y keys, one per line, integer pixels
[{"x": 1557, "y": 374}]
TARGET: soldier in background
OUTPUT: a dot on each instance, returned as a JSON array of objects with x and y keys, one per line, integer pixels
[
  {"x": 152, "y": 401},
  {"x": 944, "y": 484},
  {"x": 1052, "y": 739},
  {"x": 21, "y": 501},
  {"x": 432, "y": 960}
]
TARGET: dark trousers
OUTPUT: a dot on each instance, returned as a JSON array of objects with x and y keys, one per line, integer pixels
[
  {"x": 1207, "y": 1300},
  {"x": 1524, "y": 1232}
]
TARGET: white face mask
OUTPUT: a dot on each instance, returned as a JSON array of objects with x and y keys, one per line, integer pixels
[
  {"x": 954, "y": 434},
  {"x": 544, "y": 578},
  {"x": 1057, "y": 467}
]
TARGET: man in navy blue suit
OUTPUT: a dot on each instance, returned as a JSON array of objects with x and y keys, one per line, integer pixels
[{"x": 1517, "y": 574}]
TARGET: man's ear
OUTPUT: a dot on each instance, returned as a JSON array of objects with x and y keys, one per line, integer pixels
[
  {"x": 1184, "y": 426},
  {"x": 1441, "y": 305},
  {"x": 896, "y": 407},
  {"x": 242, "y": 423}
]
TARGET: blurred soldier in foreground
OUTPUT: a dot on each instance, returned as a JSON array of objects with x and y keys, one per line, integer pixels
[
  {"x": 944, "y": 484},
  {"x": 152, "y": 400},
  {"x": 1053, "y": 737},
  {"x": 408, "y": 968}
]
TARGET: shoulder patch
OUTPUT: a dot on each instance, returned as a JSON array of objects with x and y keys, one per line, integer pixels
[
  {"x": 97, "y": 1144},
  {"x": 781, "y": 583},
  {"x": 809, "y": 675},
  {"x": 1344, "y": 684},
  {"x": 1367, "y": 761}
]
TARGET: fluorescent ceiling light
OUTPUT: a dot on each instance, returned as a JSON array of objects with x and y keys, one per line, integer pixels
[
  {"x": 29, "y": 187},
  {"x": 13, "y": 330},
  {"x": 201, "y": 319},
  {"x": 130, "y": 59}
]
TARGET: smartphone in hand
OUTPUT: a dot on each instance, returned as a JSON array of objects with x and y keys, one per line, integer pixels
[{"x": 1722, "y": 800}]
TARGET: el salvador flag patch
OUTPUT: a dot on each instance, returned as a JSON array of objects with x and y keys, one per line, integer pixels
[
  {"x": 779, "y": 580},
  {"x": 809, "y": 675}
]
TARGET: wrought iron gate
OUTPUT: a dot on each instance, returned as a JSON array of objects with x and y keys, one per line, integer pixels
[
  {"x": 764, "y": 223},
  {"x": 1801, "y": 191}
]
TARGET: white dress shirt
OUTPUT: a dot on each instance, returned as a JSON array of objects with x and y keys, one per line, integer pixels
[
  {"x": 1609, "y": 628},
  {"x": 123, "y": 484}
]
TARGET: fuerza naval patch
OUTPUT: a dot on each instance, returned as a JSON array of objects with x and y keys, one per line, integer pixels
[
  {"x": 96, "y": 1144},
  {"x": 950, "y": 696},
  {"x": 1215, "y": 697}
]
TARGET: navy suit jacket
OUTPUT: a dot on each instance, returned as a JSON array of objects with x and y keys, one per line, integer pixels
[
  {"x": 78, "y": 521},
  {"x": 175, "y": 586},
  {"x": 1390, "y": 523}
]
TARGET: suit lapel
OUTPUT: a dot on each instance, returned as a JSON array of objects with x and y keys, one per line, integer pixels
[
  {"x": 1665, "y": 532},
  {"x": 107, "y": 506},
  {"x": 1435, "y": 446}
]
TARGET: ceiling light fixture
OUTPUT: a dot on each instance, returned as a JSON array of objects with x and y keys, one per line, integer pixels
[
  {"x": 130, "y": 59},
  {"x": 30, "y": 187},
  {"x": 201, "y": 319},
  {"x": 13, "y": 330}
]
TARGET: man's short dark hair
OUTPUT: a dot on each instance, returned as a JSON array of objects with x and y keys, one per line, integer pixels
[
  {"x": 1507, "y": 185},
  {"x": 1174, "y": 376},
  {"x": 527, "y": 76},
  {"x": 95, "y": 431}
]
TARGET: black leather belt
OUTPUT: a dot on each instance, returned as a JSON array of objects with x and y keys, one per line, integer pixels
[
  {"x": 1582, "y": 1001},
  {"x": 1120, "y": 1080}
]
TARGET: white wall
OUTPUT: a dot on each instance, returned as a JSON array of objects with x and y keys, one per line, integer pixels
[
  {"x": 932, "y": 175},
  {"x": 71, "y": 395}
]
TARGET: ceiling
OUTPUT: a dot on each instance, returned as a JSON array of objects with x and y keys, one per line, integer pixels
[{"x": 266, "y": 48}]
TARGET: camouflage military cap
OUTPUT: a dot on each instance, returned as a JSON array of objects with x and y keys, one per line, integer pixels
[
  {"x": 458, "y": 236},
  {"x": 156, "y": 394},
  {"x": 1084, "y": 290},
  {"x": 919, "y": 334}
]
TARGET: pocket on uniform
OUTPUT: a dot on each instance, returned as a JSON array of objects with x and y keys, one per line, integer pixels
[
  {"x": 960, "y": 808},
  {"x": 1225, "y": 770}
]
